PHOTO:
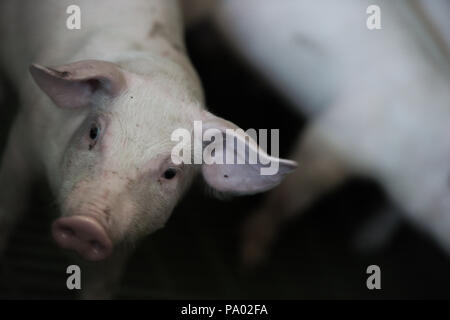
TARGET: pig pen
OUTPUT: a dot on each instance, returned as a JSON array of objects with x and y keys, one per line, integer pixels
[{"x": 197, "y": 254}]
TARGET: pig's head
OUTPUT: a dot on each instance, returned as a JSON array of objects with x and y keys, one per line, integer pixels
[{"x": 110, "y": 162}]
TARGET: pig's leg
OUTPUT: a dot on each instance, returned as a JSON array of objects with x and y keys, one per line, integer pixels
[
  {"x": 319, "y": 171},
  {"x": 16, "y": 174},
  {"x": 101, "y": 280}
]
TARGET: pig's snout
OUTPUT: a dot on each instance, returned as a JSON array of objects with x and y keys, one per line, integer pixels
[{"x": 84, "y": 235}]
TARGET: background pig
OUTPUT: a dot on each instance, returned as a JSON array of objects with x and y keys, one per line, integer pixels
[
  {"x": 378, "y": 103},
  {"x": 97, "y": 125}
]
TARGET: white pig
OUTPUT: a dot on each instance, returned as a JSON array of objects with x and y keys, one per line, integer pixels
[
  {"x": 378, "y": 102},
  {"x": 98, "y": 123}
]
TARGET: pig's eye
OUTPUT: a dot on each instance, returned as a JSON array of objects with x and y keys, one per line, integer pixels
[
  {"x": 94, "y": 133},
  {"x": 170, "y": 173}
]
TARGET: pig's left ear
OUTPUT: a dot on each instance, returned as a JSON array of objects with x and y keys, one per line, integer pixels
[
  {"x": 74, "y": 85},
  {"x": 249, "y": 177}
]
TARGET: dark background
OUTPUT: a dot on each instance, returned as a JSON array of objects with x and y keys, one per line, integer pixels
[{"x": 196, "y": 254}]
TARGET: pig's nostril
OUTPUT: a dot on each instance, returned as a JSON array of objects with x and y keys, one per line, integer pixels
[
  {"x": 97, "y": 246},
  {"x": 67, "y": 232}
]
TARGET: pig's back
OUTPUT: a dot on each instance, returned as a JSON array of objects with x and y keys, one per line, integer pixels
[
  {"x": 314, "y": 50},
  {"x": 35, "y": 31}
]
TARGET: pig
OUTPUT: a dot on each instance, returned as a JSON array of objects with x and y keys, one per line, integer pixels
[
  {"x": 98, "y": 108},
  {"x": 378, "y": 104}
]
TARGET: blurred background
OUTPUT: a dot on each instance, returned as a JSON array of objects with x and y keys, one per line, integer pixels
[{"x": 197, "y": 254}]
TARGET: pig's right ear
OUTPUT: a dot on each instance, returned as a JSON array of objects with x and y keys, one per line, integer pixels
[
  {"x": 237, "y": 146},
  {"x": 74, "y": 85}
]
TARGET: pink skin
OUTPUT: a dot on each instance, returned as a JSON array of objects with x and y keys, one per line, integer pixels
[{"x": 83, "y": 235}]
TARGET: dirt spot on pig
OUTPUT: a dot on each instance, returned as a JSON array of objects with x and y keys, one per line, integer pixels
[
  {"x": 305, "y": 42},
  {"x": 448, "y": 180},
  {"x": 158, "y": 29},
  {"x": 107, "y": 213},
  {"x": 105, "y": 195}
]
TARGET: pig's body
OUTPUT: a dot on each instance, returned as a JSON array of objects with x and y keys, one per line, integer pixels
[
  {"x": 144, "y": 37},
  {"x": 379, "y": 103},
  {"x": 98, "y": 127}
]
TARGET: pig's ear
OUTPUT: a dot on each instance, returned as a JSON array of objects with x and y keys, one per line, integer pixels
[
  {"x": 249, "y": 177},
  {"x": 74, "y": 85}
]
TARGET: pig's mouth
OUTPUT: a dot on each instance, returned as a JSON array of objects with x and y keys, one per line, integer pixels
[{"x": 83, "y": 235}]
